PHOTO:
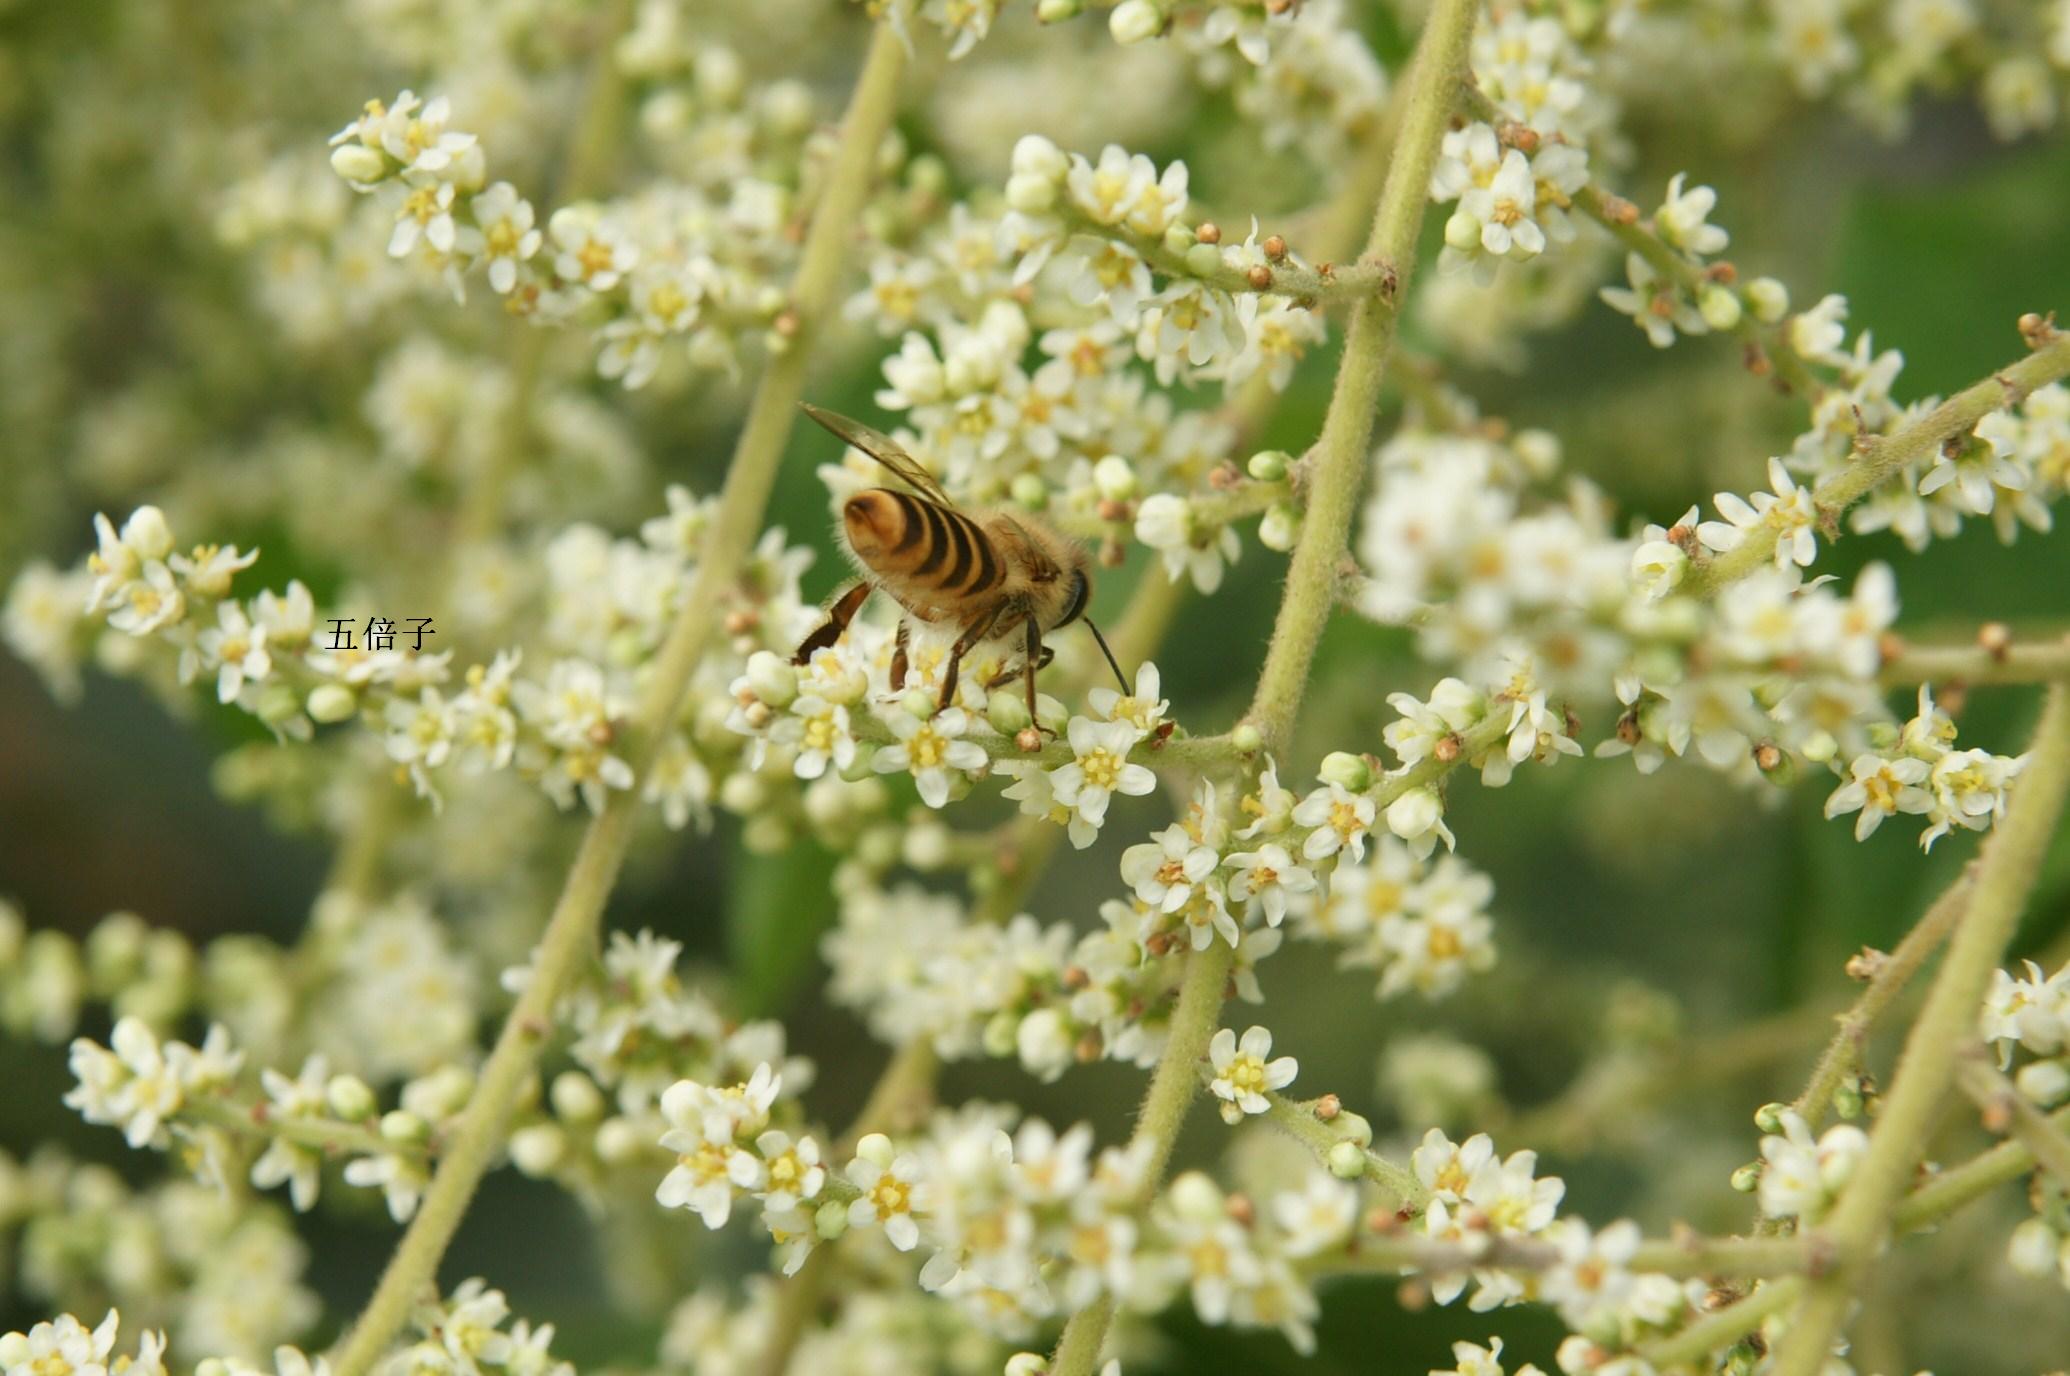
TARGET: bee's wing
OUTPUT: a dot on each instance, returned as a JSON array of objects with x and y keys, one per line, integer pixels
[{"x": 883, "y": 449}]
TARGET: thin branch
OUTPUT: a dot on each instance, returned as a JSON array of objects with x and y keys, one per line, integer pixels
[
  {"x": 1689, "y": 1255},
  {"x": 2005, "y": 874},
  {"x": 1843, "y": 1054},
  {"x": 571, "y": 931},
  {"x": 2006, "y": 1109},
  {"x": 1309, "y": 593},
  {"x": 1977, "y": 664},
  {"x": 1883, "y": 456}
]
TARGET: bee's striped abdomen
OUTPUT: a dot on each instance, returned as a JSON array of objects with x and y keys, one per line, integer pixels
[{"x": 904, "y": 536}]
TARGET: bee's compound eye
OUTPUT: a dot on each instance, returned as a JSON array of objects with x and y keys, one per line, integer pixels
[{"x": 1081, "y": 592}]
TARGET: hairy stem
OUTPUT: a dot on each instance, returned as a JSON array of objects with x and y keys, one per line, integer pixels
[
  {"x": 1693, "y": 1255},
  {"x": 2006, "y": 1109},
  {"x": 1342, "y": 449},
  {"x": 1843, "y": 1055},
  {"x": 1310, "y": 590},
  {"x": 1919, "y": 1091},
  {"x": 1973, "y": 664},
  {"x": 1885, "y": 455},
  {"x": 571, "y": 932}
]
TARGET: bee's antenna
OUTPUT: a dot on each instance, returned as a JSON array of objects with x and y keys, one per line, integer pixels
[{"x": 1127, "y": 688}]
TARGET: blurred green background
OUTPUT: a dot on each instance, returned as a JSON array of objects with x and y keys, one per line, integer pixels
[{"x": 1658, "y": 918}]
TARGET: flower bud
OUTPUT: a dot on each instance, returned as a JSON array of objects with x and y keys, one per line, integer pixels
[
  {"x": 1747, "y": 1178},
  {"x": 1203, "y": 260},
  {"x": 1030, "y": 491},
  {"x": 742, "y": 794},
  {"x": 1135, "y": 20},
  {"x": 1197, "y": 1198},
  {"x": 1030, "y": 194},
  {"x": 400, "y": 1125},
  {"x": 1179, "y": 238},
  {"x": 576, "y": 1098},
  {"x": 875, "y": 1148},
  {"x": 1026, "y": 1364},
  {"x": 774, "y": 680},
  {"x": 1036, "y": 156},
  {"x": 830, "y": 1220},
  {"x": 537, "y": 1149},
  {"x": 332, "y": 702},
  {"x": 1008, "y": 712},
  {"x": 1769, "y": 299},
  {"x": 1847, "y": 1099},
  {"x": 1346, "y": 770},
  {"x": 1769, "y": 1117},
  {"x": 1247, "y": 738},
  {"x": 1045, "y": 1043},
  {"x": 2046, "y": 1083},
  {"x": 998, "y": 1036},
  {"x": 863, "y": 766},
  {"x": 350, "y": 1098},
  {"x": 919, "y": 702},
  {"x": 619, "y": 1139},
  {"x": 2034, "y": 1249},
  {"x": 1347, "y": 1161},
  {"x": 1280, "y": 527},
  {"x": 356, "y": 162},
  {"x": 1719, "y": 306},
  {"x": 1269, "y": 465},
  {"x": 1538, "y": 451},
  {"x": 1353, "y": 1127},
  {"x": 1463, "y": 232},
  {"x": 926, "y": 845},
  {"x": 1115, "y": 477},
  {"x": 1414, "y": 813},
  {"x": 1820, "y": 748}
]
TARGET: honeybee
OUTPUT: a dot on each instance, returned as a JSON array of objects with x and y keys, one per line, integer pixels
[{"x": 989, "y": 574}]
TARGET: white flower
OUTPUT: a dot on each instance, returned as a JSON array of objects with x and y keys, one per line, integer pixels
[
  {"x": 1684, "y": 218},
  {"x": 1655, "y": 304},
  {"x": 1878, "y": 788},
  {"x": 1099, "y": 770},
  {"x": 1657, "y": 567},
  {"x": 1318, "y": 1218},
  {"x": 1164, "y": 870},
  {"x": 149, "y": 603},
  {"x": 61, "y": 1347},
  {"x": 1799, "y": 1177},
  {"x": 1165, "y": 523},
  {"x": 239, "y": 647},
  {"x": 400, "y": 1179},
  {"x": 1242, "y": 1074},
  {"x": 1788, "y": 511},
  {"x": 783, "y": 1172},
  {"x": 1503, "y": 208},
  {"x": 1141, "y": 707},
  {"x": 930, "y": 749},
  {"x": 298, "y": 1165},
  {"x": 1266, "y": 876},
  {"x": 508, "y": 236},
  {"x": 891, "y": 1190},
  {"x": 1340, "y": 818}
]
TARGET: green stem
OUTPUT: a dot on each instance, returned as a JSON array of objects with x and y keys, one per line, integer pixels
[
  {"x": 1297, "y": 1119},
  {"x": 1843, "y": 1055},
  {"x": 1157, "y": 1125},
  {"x": 1972, "y": 664},
  {"x": 1744, "y": 1257},
  {"x": 1995, "y": 1095},
  {"x": 1724, "y": 1327},
  {"x": 1919, "y": 1091},
  {"x": 1883, "y": 456},
  {"x": 571, "y": 932},
  {"x": 1343, "y": 448},
  {"x": 1973, "y": 1179},
  {"x": 1310, "y": 590},
  {"x": 331, "y": 1136}
]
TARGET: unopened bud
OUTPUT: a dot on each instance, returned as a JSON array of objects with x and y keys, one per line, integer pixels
[
  {"x": 1346, "y": 770},
  {"x": 1747, "y": 1178},
  {"x": 1008, "y": 712},
  {"x": 1463, "y": 231},
  {"x": 1768, "y": 299},
  {"x": 1719, "y": 307},
  {"x": 1269, "y": 465},
  {"x": 356, "y": 162},
  {"x": 1030, "y": 491},
  {"x": 350, "y": 1098},
  {"x": 332, "y": 702},
  {"x": 774, "y": 679},
  {"x": 1203, "y": 259},
  {"x": 1347, "y": 1161},
  {"x": 1280, "y": 527},
  {"x": 1769, "y": 1117},
  {"x": 1135, "y": 20}
]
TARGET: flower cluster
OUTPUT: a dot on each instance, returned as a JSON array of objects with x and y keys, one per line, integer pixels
[{"x": 1915, "y": 768}]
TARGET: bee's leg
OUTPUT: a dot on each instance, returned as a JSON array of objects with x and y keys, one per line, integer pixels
[
  {"x": 839, "y": 613},
  {"x": 1038, "y": 655},
  {"x": 898, "y": 657},
  {"x": 972, "y": 634}
]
